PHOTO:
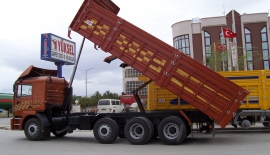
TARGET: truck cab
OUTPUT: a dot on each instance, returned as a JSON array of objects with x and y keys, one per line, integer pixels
[{"x": 36, "y": 90}]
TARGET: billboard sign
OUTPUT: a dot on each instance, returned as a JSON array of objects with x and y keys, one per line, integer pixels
[{"x": 57, "y": 49}]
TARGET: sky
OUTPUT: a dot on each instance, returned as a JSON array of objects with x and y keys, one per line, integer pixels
[{"x": 23, "y": 22}]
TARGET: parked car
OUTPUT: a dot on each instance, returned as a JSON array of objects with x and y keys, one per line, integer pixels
[
  {"x": 110, "y": 106},
  {"x": 133, "y": 107}
]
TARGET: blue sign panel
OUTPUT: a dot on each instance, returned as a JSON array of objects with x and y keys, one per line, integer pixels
[{"x": 57, "y": 49}]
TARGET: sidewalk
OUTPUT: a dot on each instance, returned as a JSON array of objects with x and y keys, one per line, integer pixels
[{"x": 5, "y": 121}]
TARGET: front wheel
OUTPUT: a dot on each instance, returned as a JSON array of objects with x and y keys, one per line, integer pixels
[{"x": 33, "y": 130}]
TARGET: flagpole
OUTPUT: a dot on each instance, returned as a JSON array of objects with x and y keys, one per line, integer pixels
[
  {"x": 234, "y": 41},
  {"x": 215, "y": 56},
  {"x": 228, "y": 54}
]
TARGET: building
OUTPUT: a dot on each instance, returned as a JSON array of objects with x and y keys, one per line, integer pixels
[
  {"x": 196, "y": 38},
  {"x": 130, "y": 82}
]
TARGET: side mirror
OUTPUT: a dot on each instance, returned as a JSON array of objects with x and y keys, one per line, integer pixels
[{"x": 14, "y": 86}]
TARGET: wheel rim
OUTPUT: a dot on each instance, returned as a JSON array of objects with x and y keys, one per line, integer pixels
[
  {"x": 171, "y": 131},
  {"x": 32, "y": 129},
  {"x": 136, "y": 131},
  {"x": 104, "y": 130}
]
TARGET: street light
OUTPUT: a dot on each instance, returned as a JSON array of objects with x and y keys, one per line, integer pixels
[{"x": 86, "y": 80}]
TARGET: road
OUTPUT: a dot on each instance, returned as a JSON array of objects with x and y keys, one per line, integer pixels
[
  {"x": 84, "y": 143},
  {"x": 4, "y": 123}
]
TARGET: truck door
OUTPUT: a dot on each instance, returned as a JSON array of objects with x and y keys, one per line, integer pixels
[{"x": 23, "y": 99}]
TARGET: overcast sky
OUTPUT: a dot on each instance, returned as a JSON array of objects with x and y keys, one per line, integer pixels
[{"x": 23, "y": 22}]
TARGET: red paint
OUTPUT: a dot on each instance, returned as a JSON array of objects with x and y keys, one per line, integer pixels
[
  {"x": 61, "y": 46},
  {"x": 5, "y": 100}
]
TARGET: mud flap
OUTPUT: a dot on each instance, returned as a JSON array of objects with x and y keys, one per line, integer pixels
[{"x": 45, "y": 124}]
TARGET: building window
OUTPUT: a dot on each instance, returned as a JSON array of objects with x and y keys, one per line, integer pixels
[
  {"x": 131, "y": 73},
  {"x": 207, "y": 45},
  {"x": 182, "y": 43},
  {"x": 265, "y": 48},
  {"x": 249, "y": 49},
  {"x": 133, "y": 85}
]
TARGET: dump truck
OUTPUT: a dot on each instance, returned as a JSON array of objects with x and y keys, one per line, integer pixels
[
  {"x": 42, "y": 101},
  {"x": 255, "y": 108}
]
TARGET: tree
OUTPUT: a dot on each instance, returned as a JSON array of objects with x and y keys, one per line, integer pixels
[
  {"x": 73, "y": 99},
  {"x": 93, "y": 100},
  {"x": 218, "y": 60},
  {"x": 110, "y": 95},
  {"x": 84, "y": 102}
]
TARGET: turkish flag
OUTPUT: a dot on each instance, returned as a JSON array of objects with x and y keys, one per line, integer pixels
[{"x": 228, "y": 34}]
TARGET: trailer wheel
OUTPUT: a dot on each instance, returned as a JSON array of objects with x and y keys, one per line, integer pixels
[
  {"x": 32, "y": 129},
  {"x": 172, "y": 130},
  {"x": 139, "y": 130},
  {"x": 106, "y": 130}
]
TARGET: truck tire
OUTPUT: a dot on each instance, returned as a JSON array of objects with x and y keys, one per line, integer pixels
[
  {"x": 152, "y": 127},
  {"x": 138, "y": 130},
  {"x": 106, "y": 130},
  {"x": 33, "y": 130},
  {"x": 172, "y": 130}
]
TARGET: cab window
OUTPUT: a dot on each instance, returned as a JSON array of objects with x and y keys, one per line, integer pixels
[{"x": 24, "y": 91}]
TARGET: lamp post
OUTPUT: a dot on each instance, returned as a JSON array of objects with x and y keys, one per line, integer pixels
[{"x": 86, "y": 80}]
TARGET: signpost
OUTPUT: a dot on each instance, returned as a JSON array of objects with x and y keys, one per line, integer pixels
[{"x": 58, "y": 50}]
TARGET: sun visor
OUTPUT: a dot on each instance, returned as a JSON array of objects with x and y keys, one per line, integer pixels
[{"x": 32, "y": 71}]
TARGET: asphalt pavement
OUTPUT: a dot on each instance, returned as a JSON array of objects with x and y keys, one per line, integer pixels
[
  {"x": 5, "y": 123},
  {"x": 84, "y": 143}
]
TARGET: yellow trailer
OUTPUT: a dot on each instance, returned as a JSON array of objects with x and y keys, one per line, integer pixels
[{"x": 254, "y": 108}]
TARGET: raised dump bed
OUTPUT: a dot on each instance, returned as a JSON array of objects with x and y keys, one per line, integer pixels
[{"x": 203, "y": 88}]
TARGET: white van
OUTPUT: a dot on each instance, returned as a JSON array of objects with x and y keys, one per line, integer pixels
[{"x": 110, "y": 106}]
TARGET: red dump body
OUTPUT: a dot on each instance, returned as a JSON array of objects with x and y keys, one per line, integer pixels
[{"x": 203, "y": 88}]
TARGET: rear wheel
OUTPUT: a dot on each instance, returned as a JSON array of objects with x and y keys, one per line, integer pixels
[
  {"x": 33, "y": 130},
  {"x": 172, "y": 130},
  {"x": 139, "y": 130},
  {"x": 106, "y": 130}
]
